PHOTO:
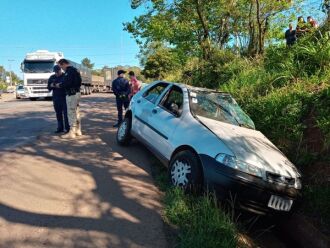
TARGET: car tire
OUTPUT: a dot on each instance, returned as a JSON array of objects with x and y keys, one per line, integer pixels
[
  {"x": 185, "y": 171},
  {"x": 124, "y": 136}
]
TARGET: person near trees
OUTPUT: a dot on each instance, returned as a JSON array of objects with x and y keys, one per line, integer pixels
[
  {"x": 302, "y": 27},
  {"x": 312, "y": 23},
  {"x": 59, "y": 100},
  {"x": 290, "y": 36},
  {"x": 134, "y": 84},
  {"x": 121, "y": 89}
]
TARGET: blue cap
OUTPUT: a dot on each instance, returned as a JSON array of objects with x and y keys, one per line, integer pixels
[{"x": 56, "y": 68}]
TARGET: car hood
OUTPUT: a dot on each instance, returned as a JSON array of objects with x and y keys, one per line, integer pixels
[{"x": 252, "y": 147}]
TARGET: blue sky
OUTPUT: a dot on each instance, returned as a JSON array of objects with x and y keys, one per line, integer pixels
[{"x": 79, "y": 28}]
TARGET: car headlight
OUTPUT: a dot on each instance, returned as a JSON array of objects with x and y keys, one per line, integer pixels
[{"x": 234, "y": 163}]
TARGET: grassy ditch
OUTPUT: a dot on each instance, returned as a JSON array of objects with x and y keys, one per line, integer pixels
[{"x": 199, "y": 220}]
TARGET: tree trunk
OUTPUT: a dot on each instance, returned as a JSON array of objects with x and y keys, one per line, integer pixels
[
  {"x": 260, "y": 29},
  {"x": 205, "y": 44},
  {"x": 252, "y": 47}
]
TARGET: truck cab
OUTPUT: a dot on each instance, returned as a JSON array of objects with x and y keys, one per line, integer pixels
[{"x": 37, "y": 67}]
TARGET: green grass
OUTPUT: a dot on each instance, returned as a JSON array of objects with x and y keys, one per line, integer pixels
[
  {"x": 317, "y": 202},
  {"x": 200, "y": 221}
]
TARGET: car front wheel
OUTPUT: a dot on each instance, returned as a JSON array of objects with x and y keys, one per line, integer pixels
[
  {"x": 124, "y": 132},
  {"x": 185, "y": 171}
]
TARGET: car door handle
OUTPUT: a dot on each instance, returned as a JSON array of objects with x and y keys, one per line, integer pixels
[
  {"x": 138, "y": 101},
  {"x": 154, "y": 111}
]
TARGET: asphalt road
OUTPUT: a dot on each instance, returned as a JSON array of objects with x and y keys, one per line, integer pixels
[
  {"x": 87, "y": 192},
  {"x": 21, "y": 121}
]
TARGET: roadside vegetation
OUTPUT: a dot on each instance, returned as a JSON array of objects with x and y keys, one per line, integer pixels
[
  {"x": 237, "y": 46},
  {"x": 198, "y": 219}
]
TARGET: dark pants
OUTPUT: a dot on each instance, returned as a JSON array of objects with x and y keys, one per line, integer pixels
[
  {"x": 120, "y": 104},
  {"x": 61, "y": 113}
]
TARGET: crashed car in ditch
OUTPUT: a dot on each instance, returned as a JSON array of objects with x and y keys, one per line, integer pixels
[{"x": 207, "y": 140}]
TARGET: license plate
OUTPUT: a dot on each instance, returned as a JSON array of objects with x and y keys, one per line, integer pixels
[{"x": 280, "y": 203}]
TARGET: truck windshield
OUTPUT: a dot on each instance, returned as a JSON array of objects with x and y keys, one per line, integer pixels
[
  {"x": 219, "y": 106},
  {"x": 38, "y": 66}
]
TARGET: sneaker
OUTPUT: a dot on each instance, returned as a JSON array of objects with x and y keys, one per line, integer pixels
[
  {"x": 58, "y": 131},
  {"x": 70, "y": 135},
  {"x": 78, "y": 132}
]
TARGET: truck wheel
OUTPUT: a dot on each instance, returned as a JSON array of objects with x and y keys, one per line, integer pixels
[
  {"x": 124, "y": 132},
  {"x": 185, "y": 171}
]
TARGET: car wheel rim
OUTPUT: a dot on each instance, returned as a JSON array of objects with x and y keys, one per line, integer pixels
[
  {"x": 122, "y": 130},
  {"x": 179, "y": 173}
]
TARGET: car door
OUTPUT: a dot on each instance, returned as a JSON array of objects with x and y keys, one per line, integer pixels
[
  {"x": 164, "y": 118},
  {"x": 143, "y": 111}
]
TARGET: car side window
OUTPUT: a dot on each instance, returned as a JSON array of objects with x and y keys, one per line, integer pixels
[
  {"x": 153, "y": 93},
  {"x": 173, "y": 101}
]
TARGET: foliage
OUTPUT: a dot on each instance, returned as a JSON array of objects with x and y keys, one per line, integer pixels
[
  {"x": 158, "y": 61},
  {"x": 201, "y": 222},
  {"x": 318, "y": 202},
  {"x": 3, "y": 86},
  {"x": 15, "y": 78},
  {"x": 195, "y": 27},
  {"x": 87, "y": 62}
]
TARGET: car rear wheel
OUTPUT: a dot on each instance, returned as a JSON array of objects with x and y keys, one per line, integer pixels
[
  {"x": 185, "y": 171},
  {"x": 124, "y": 132}
]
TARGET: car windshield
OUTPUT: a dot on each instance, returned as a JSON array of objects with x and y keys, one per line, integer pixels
[
  {"x": 219, "y": 106},
  {"x": 38, "y": 66},
  {"x": 21, "y": 87}
]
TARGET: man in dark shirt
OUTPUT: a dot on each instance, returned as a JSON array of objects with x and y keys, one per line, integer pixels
[
  {"x": 290, "y": 36},
  {"x": 71, "y": 84},
  {"x": 121, "y": 89},
  {"x": 59, "y": 100}
]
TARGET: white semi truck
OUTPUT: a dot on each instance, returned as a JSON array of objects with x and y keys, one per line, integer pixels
[{"x": 37, "y": 67}]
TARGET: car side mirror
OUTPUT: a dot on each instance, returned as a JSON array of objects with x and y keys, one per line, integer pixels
[{"x": 175, "y": 109}]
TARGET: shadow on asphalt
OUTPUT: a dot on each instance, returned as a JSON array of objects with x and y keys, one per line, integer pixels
[{"x": 98, "y": 156}]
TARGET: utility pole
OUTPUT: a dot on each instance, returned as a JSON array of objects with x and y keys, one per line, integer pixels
[{"x": 11, "y": 79}]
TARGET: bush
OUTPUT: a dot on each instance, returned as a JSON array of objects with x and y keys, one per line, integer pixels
[{"x": 201, "y": 222}]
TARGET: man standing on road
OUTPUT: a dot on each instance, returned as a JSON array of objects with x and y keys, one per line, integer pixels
[
  {"x": 59, "y": 100},
  {"x": 71, "y": 83},
  {"x": 121, "y": 89}
]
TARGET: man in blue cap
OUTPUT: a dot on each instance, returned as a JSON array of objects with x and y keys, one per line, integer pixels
[
  {"x": 59, "y": 100},
  {"x": 121, "y": 89}
]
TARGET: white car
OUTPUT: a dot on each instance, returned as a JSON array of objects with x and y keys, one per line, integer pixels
[
  {"x": 20, "y": 92},
  {"x": 206, "y": 139}
]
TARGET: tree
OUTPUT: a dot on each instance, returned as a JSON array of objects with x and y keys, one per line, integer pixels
[
  {"x": 158, "y": 61},
  {"x": 87, "y": 62},
  {"x": 260, "y": 15},
  {"x": 326, "y": 9},
  {"x": 15, "y": 78},
  {"x": 197, "y": 27}
]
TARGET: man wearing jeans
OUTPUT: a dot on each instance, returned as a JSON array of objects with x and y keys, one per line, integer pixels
[
  {"x": 121, "y": 89},
  {"x": 71, "y": 83},
  {"x": 59, "y": 100}
]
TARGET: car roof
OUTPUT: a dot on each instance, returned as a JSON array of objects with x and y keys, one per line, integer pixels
[{"x": 193, "y": 88}]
